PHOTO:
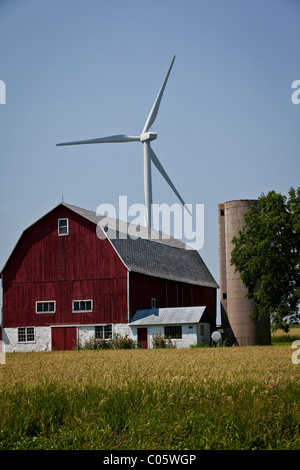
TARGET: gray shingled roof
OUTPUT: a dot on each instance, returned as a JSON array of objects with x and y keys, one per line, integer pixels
[
  {"x": 167, "y": 316},
  {"x": 155, "y": 255}
]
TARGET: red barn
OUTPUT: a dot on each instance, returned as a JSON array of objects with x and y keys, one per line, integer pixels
[{"x": 74, "y": 275}]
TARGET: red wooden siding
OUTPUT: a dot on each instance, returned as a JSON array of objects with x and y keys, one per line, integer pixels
[
  {"x": 168, "y": 293},
  {"x": 42, "y": 255},
  {"x": 78, "y": 266},
  {"x": 109, "y": 302}
]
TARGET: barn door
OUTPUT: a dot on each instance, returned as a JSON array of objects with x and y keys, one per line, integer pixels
[
  {"x": 143, "y": 337},
  {"x": 63, "y": 338}
]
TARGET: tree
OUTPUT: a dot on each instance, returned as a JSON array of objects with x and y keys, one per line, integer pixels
[{"x": 267, "y": 255}]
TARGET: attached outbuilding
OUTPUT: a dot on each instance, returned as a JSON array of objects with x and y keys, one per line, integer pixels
[{"x": 184, "y": 326}]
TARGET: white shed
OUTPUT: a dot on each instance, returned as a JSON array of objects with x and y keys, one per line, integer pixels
[{"x": 186, "y": 326}]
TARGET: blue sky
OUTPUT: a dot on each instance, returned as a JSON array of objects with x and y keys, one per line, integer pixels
[{"x": 79, "y": 69}]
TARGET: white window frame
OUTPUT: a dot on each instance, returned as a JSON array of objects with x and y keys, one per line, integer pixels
[
  {"x": 26, "y": 334},
  {"x": 103, "y": 330},
  {"x": 58, "y": 227},
  {"x": 45, "y": 302},
  {"x": 153, "y": 302},
  {"x": 82, "y": 310}
]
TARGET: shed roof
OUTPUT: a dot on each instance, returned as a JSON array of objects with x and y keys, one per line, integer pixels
[{"x": 167, "y": 316}]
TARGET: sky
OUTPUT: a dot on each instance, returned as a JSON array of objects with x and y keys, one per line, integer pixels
[{"x": 81, "y": 69}]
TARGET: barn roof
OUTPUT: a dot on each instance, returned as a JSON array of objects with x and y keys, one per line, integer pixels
[
  {"x": 150, "y": 252},
  {"x": 167, "y": 316},
  {"x": 153, "y": 252}
]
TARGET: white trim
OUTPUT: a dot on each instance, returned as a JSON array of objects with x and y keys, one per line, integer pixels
[
  {"x": 63, "y": 234},
  {"x": 82, "y": 311},
  {"x": 77, "y": 325},
  {"x": 103, "y": 330},
  {"x": 128, "y": 302},
  {"x": 44, "y": 302},
  {"x": 26, "y": 341}
]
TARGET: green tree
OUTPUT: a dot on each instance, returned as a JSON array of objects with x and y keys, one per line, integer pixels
[{"x": 267, "y": 255}]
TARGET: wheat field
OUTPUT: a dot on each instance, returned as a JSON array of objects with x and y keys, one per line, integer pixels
[{"x": 210, "y": 398}]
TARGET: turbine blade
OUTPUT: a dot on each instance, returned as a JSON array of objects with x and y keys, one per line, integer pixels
[
  {"x": 153, "y": 113},
  {"x": 104, "y": 140},
  {"x": 165, "y": 175}
]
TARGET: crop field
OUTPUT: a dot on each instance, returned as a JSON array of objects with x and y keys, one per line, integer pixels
[{"x": 188, "y": 399}]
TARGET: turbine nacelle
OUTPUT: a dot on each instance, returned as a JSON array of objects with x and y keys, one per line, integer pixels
[{"x": 148, "y": 136}]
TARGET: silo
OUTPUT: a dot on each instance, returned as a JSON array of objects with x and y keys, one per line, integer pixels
[{"x": 236, "y": 308}]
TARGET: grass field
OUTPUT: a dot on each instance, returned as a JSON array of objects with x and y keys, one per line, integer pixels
[
  {"x": 281, "y": 338},
  {"x": 210, "y": 398}
]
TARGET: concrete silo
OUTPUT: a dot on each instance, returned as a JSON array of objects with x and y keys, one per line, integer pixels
[{"x": 236, "y": 308}]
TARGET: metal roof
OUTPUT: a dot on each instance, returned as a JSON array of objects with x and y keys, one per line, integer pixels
[{"x": 167, "y": 316}]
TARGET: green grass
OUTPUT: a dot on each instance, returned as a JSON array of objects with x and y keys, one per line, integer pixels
[{"x": 164, "y": 418}]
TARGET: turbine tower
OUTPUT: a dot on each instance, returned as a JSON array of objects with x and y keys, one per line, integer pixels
[{"x": 149, "y": 156}]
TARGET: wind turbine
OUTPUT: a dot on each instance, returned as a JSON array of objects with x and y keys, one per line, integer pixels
[{"x": 149, "y": 156}]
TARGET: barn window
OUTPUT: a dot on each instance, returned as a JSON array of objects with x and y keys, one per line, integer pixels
[
  {"x": 201, "y": 330},
  {"x": 26, "y": 334},
  {"x": 45, "y": 307},
  {"x": 82, "y": 306},
  {"x": 153, "y": 302},
  {"x": 173, "y": 332},
  {"x": 63, "y": 226},
  {"x": 103, "y": 332}
]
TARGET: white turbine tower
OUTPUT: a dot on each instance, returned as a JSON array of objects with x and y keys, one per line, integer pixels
[{"x": 149, "y": 156}]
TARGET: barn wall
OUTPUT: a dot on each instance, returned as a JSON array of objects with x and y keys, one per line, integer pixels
[
  {"x": 109, "y": 302},
  {"x": 190, "y": 336},
  {"x": 42, "y": 340},
  {"x": 43, "y": 337},
  {"x": 78, "y": 266},
  {"x": 42, "y": 256},
  {"x": 86, "y": 333},
  {"x": 169, "y": 294}
]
